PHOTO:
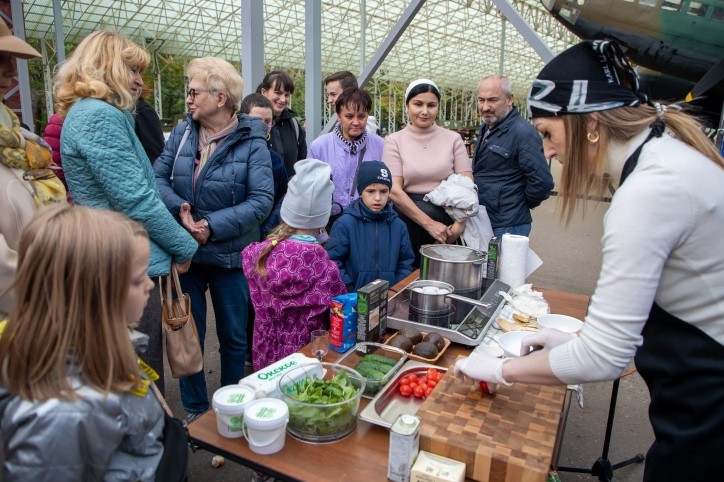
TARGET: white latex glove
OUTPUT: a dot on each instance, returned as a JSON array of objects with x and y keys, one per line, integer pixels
[
  {"x": 481, "y": 367},
  {"x": 545, "y": 338}
]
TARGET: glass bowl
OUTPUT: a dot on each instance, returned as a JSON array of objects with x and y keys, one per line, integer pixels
[{"x": 323, "y": 401}]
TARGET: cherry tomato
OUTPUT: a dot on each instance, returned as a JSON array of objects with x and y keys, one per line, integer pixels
[
  {"x": 413, "y": 377},
  {"x": 440, "y": 375},
  {"x": 413, "y": 385},
  {"x": 405, "y": 390},
  {"x": 419, "y": 391},
  {"x": 428, "y": 391},
  {"x": 404, "y": 381},
  {"x": 423, "y": 381},
  {"x": 484, "y": 387},
  {"x": 432, "y": 374},
  {"x": 432, "y": 383}
]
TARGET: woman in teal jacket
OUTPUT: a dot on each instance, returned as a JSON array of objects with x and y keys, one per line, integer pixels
[{"x": 105, "y": 164}]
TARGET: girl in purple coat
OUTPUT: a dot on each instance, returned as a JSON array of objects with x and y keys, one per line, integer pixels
[{"x": 291, "y": 278}]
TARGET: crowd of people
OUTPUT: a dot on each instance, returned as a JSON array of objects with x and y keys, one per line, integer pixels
[{"x": 272, "y": 230}]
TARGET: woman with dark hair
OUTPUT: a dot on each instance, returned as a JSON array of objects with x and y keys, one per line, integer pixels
[
  {"x": 287, "y": 135},
  {"x": 347, "y": 146},
  {"x": 420, "y": 157},
  {"x": 659, "y": 295}
]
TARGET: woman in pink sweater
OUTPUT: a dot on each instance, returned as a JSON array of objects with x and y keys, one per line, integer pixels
[{"x": 420, "y": 157}]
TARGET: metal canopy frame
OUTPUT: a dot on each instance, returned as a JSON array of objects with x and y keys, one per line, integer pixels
[{"x": 454, "y": 42}]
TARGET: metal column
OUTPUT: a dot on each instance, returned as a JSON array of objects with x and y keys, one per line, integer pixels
[
  {"x": 313, "y": 66},
  {"x": 252, "y": 44}
]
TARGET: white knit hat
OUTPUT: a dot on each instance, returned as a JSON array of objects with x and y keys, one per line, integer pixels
[{"x": 308, "y": 201}]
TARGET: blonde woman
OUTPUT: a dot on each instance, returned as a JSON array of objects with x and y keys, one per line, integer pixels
[
  {"x": 74, "y": 404},
  {"x": 215, "y": 173},
  {"x": 105, "y": 164},
  {"x": 659, "y": 295}
]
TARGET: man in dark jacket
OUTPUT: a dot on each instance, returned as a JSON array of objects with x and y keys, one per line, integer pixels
[{"x": 509, "y": 167}]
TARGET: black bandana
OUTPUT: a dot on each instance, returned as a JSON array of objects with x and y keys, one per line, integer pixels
[
  {"x": 591, "y": 76},
  {"x": 353, "y": 145}
]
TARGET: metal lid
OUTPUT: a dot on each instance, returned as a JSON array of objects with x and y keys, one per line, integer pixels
[{"x": 452, "y": 253}]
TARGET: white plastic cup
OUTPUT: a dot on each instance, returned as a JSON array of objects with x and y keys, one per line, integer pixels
[
  {"x": 230, "y": 403},
  {"x": 265, "y": 425}
]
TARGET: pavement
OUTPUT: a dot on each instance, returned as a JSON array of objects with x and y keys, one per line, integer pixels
[{"x": 571, "y": 260}]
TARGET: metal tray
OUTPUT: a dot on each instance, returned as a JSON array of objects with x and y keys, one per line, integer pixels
[{"x": 388, "y": 404}]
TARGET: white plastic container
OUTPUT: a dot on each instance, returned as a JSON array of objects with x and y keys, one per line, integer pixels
[
  {"x": 265, "y": 425},
  {"x": 229, "y": 403},
  {"x": 264, "y": 382}
]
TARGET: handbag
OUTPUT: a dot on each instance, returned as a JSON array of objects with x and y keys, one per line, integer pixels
[
  {"x": 175, "y": 459},
  {"x": 183, "y": 349}
]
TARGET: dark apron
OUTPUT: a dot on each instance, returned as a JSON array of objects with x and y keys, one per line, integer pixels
[{"x": 683, "y": 368}]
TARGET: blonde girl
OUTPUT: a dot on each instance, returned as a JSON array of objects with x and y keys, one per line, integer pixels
[
  {"x": 291, "y": 278},
  {"x": 74, "y": 404}
]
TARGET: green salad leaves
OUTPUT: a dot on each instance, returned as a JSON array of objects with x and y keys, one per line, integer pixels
[{"x": 322, "y": 419}]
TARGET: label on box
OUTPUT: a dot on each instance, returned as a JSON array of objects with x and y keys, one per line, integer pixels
[
  {"x": 372, "y": 310},
  {"x": 435, "y": 468},
  {"x": 264, "y": 382}
]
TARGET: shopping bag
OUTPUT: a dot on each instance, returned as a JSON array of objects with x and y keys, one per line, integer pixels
[{"x": 183, "y": 349}]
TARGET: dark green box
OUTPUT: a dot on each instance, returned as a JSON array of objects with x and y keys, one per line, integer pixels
[{"x": 372, "y": 310}]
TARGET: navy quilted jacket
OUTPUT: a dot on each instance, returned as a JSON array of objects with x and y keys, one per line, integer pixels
[
  {"x": 234, "y": 190},
  {"x": 367, "y": 245},
  {"x": 106, "y": 166},
  {"x": 511, "y": 171}
]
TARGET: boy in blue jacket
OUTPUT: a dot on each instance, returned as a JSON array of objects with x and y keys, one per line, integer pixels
[{"x": 369, "y": 241}]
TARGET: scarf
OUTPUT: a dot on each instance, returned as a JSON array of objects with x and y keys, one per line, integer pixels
[
  {"x": 22, "y": 150},
  {"x": 353, "y": 145},
  {"x": 208, "y": 142}
]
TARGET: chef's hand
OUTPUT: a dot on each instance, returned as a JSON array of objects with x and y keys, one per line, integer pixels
[
  {"x": 454, "y": 231},
  {"x": 481, "y": 367},
  {"x": 544, "y": 339}
]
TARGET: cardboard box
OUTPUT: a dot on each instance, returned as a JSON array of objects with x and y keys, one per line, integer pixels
[
  {"x": 343, "y": 322},
  {"x": 435, "y": 468},
  {"x": 372, "y": 310}
]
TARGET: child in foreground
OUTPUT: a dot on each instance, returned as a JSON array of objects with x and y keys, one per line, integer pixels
[
  {"x": 369, "y": 241},
  {"x": 291, "y": 278},
  {"x": 74, "y": 403}
]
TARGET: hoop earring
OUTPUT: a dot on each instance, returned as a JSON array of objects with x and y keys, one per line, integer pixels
[{"x": 593, "y": 137}]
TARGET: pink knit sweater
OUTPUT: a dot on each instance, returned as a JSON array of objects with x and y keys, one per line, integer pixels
[{"x": 425, "y": 157}]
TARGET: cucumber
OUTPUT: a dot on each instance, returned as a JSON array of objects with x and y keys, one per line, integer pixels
[
  {"x": 380, "y": 367},
  {"x": 367, "y": 370},
  {"x": 381, "y": 359}
]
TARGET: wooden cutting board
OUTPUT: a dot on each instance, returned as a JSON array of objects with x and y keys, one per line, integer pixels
[{"x": 506, "y": 437}]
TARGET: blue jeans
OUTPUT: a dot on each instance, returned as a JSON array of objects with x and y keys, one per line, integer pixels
[
  {"x": 230, "y": 296},
  {"x": 521, "y": 229}
]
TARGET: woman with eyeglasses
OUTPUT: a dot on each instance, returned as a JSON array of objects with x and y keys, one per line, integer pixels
[
  {"x": 105, "y": 163},
  {"x": 215, "y": 174}
]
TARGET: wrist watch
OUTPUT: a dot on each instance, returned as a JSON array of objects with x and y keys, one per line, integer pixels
[{"x": 206, "y": 224}]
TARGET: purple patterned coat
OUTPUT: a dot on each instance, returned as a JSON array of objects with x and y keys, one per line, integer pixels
[{"x": 292, "y": 300}]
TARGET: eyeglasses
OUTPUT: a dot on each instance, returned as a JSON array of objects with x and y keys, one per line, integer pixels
[{"x": 194, "y": 92}]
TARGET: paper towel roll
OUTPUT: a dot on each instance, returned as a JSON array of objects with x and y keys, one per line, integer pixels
[{"x": 513, "y": 259}]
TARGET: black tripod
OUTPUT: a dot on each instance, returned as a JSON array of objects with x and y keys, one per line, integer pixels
[{"x": 602, "y": 468}]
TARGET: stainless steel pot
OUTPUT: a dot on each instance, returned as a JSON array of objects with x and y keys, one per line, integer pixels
[
  {"x": 460, "y": 266},
  {"x": 433, "y": 297}
]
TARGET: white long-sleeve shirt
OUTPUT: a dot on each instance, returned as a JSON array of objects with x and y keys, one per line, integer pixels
[{"x": 663, "y": 242}]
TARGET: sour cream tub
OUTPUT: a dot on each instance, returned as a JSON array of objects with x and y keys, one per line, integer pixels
[
  {"x": 265, "y": 425},
  {"x": 229, "y": 403}
]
